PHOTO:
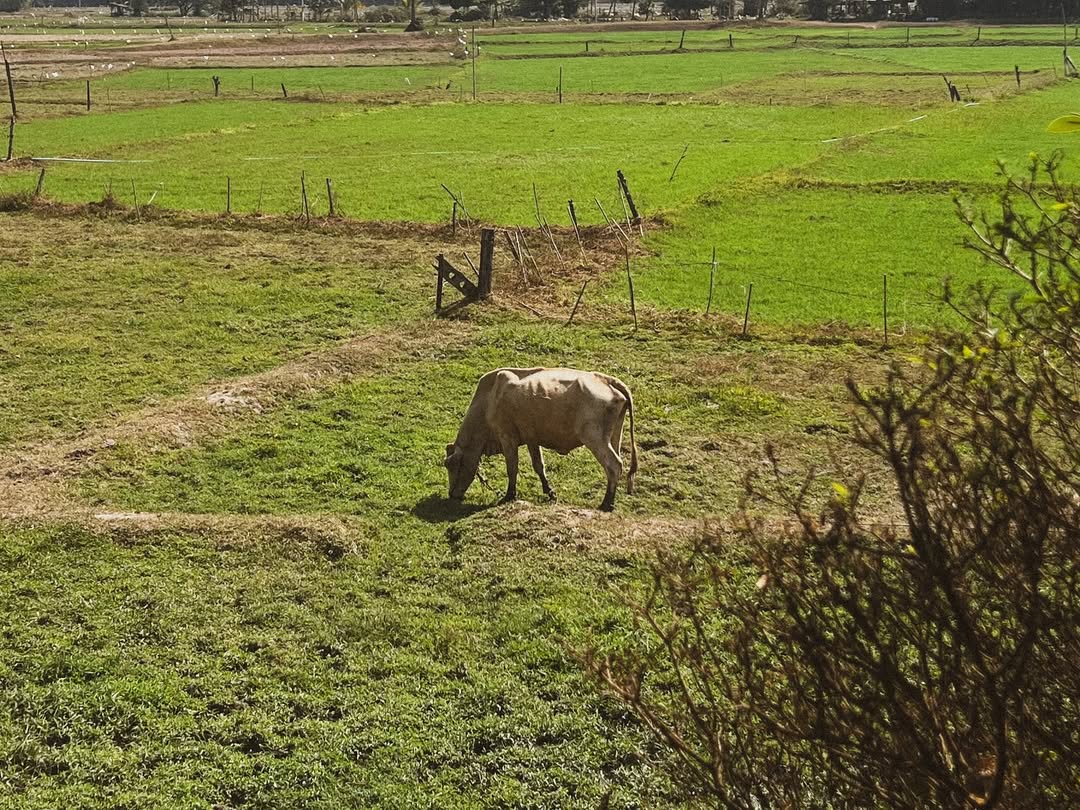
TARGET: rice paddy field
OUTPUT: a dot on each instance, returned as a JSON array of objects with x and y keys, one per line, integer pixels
[{"x": 230, "y": 576}]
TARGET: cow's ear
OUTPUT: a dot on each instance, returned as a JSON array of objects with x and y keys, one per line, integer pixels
[{"x": 450, "y": 449}]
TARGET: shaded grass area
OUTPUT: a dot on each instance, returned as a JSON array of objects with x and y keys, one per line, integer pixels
[
  {"x": 388, "y": 668},
  {"x": 376, "y": 445},
  {"x": 103, "y": 317},
  {"x": 388, "y": 162}
]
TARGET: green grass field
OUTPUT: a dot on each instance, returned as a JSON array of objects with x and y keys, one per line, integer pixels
[{"x": 229, "y": 575}]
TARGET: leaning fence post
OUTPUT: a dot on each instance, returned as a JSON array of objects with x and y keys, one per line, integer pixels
[
  {"x": 330, "y": 194},
  {"x": 284, "y": 92},
  {"x": 577, "y": 303},
  {"x": 746, "y": 316},
  {"x": 228, "y": 194},
  {"x": 626, "y": 194},
  {"x": 577, "y": 232},
  {"x": 40, "y": 183},
  {"x": 88, "y": 95}
]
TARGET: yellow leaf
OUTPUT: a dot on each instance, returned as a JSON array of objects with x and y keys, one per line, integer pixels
[
  {"x": 1059, "y": 206},
  {"x": 968, "y": 353},
  {"x": 1065, "y": 124},
  {"x": 841, "y": 490}
]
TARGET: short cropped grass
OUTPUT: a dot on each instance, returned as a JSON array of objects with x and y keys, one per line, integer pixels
[
  {"x": 813, "y": 256},
  {"x": 394, "y": 667},
  {"x": 376, "y": 445},
  {"x": 390, "y": 162},
  {"x": 960, "y": 145},
  {"x": 103, "y": 317}
]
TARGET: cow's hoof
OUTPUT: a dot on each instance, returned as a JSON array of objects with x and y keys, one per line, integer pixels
[
  {"x": 508, "y": 498},
  {"x": 551, "y": 496},
  {"x": 607, "y": 507}
]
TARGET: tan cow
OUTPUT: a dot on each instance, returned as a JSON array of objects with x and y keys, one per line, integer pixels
[{"x": 557, "y": 408}]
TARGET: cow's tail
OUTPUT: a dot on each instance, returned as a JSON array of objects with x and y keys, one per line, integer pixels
[{"x": 619, "y": 386}]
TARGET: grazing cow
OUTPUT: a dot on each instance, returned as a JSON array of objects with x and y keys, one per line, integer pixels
[{"x": 557, "y": 408}]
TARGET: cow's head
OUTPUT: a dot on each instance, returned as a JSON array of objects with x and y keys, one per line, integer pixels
[{"x": 462, "y": 468}]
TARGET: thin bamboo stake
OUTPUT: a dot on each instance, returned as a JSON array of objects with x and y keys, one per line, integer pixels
[
  {"x": 135, "y": 196},
  {"x": 304, "y": 198},
  {"x": 712, "y": 274},
  {"x": 885, "y": 307},
  {"x": 746, "y": 316},
  {"x": 630, "y": 284}
]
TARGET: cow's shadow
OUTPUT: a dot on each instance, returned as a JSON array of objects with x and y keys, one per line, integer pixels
[{"x": 434, "y": 509}]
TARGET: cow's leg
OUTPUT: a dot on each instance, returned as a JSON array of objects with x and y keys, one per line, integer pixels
[
  {"x": 510, "y": 451},
  {"x": 601, "y": 448},
  {"x": 538, "y": 465}
]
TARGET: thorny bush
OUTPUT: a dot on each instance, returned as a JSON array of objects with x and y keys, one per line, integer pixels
[{"x": 930, "y": 662}]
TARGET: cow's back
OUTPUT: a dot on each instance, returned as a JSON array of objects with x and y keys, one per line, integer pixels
[{"x": 550, "y": 407}]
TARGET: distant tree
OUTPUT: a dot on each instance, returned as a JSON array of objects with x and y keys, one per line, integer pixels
[
  {"x": 933, "y": 661},
  {"x": 817, "y": 9},
  {"x": 321, "y": 8},
  {"x": 681, "y": 9},
  {"x": 139, "y": 8},
  {"x": 14, "y": 5},
  {"x": 548, "y": 9},
  {"x": 183, "y": 7},
  {"x": 230, "y": 9}
]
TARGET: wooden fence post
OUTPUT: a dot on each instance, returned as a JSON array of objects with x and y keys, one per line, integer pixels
[
  {"x": 88, "y": 95},
  {"x": 228, "y": 194},
  {"x": 284, "y": 92},
  {"x": 40, "y": 183},
  {"x": 11, "y": 137},
  {"x": 487, "y": 257},
  {"x": 712, "y": 274},
  {"x": 746, "y": 317},
  {"x": 10, "y": 82},
  {"x": 885, "y": 307},
  {"x": 439, "y": 283},
  {"x": 330, "y": 195},
  {"x": 303, "y": 198}
]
